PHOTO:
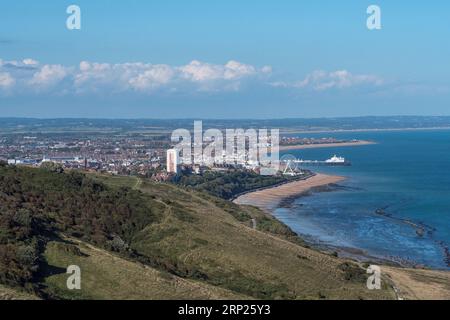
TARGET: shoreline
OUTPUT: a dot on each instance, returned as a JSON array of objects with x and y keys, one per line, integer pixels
[
  {"x": 294, "y": 131},
  {"x": 269, "y": 199},
  {"x": 326, "y": 145}
]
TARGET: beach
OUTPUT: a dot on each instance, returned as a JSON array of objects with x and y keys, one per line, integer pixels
[
  {"x": 269, "y": 199},
  {"x": 325, "y": 145}
]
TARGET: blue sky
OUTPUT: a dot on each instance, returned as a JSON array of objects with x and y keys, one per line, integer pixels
[{"x": 227, "y": 59}]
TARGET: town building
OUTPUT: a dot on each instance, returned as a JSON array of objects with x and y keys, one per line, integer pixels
[{"x": 172, "y": 161}]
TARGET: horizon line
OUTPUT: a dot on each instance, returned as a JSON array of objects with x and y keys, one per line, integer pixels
[{"x": 223, "y": 119}]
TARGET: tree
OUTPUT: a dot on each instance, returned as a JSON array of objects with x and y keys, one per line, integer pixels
[{"x": 52, "y": 167}]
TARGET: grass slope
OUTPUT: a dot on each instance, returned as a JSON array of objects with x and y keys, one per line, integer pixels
[
  {"x": 135, "y": 239},
  {"x": 7, "y": 293},
  {"x": 415, "y": 284},
  {"x": 108, "y": 276},
  {"x": 215, "y": 237}
]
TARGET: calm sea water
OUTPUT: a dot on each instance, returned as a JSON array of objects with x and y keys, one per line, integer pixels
[{"x": 406, "y": 176}]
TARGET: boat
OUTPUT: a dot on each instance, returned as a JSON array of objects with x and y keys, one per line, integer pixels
[{"x": 335, "y": 160}]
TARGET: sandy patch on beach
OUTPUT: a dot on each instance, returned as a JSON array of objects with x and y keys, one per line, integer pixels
[{"x": 268, "y": 199}]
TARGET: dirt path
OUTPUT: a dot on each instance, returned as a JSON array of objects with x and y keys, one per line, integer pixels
[
  {"x": 138, "y": 184},
  {"x": 416, "y": 284}
]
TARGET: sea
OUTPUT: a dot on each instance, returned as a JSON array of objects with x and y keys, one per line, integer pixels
[{"x": 394, "y": 203}]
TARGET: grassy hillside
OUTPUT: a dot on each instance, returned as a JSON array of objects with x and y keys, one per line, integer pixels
[
  {"x": 416, "y": 284},
  {"x": 141, "y": 240},
  {"x": 106, "y": 275},
  {"x": 7, "y": 293},
  {"x": 218, "y": 241}
]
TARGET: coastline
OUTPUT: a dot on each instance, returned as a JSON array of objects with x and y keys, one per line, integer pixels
[
  {"x": 326, "y": 145},
  {"x": 294, "y": 131},
  {"x": 269, "y": 199}
]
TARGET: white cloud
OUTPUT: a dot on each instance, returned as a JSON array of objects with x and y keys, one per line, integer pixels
[
  {"x": 6, "y": 81},
  {"x": 198, "y": 71},
  {"x": 122, "y": 77},
  {"x": 88, "y": 77},
  {"x": 49, "y": 75},
  {"x": 320, "y": 80},
  {"x": 266, "y": 69},
  {"x": 213, "y": 77},
  {"x": 154, "y": 77},
  {"x": 147, "y": 78},
  {"x": 30, "y": 62},
  {"x": 91, "y": 76}
]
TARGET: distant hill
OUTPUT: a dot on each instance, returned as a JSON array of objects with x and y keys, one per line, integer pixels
[
  {"x": 165, "y": 126},
  {"x": 134, "y": 239}
]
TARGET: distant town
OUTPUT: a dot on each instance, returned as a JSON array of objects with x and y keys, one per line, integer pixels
[{"x": 125, "y": 153}]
